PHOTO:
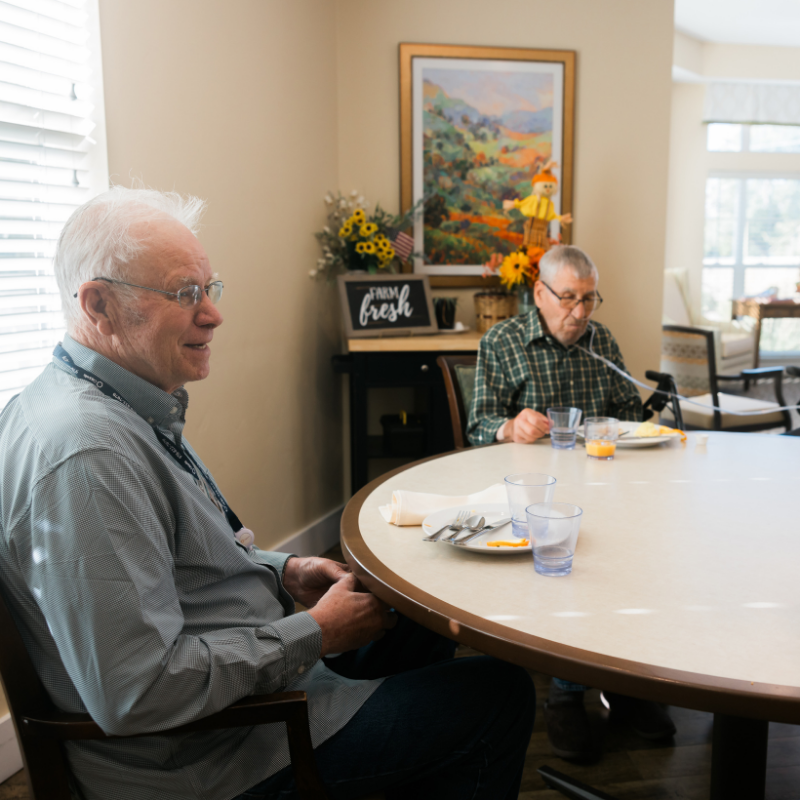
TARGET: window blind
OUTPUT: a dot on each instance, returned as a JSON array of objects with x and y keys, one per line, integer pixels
[
  {"x": 753, "y": 103},
  {"x": 52, "y": 159}
]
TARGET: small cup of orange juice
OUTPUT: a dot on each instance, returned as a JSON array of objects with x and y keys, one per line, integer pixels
[{"x": 600, "y": 435}]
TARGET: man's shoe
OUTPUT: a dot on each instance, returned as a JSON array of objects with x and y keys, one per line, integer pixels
[
  {"x": 647, "y": 719},
  {"x": 568, "y": 730}
]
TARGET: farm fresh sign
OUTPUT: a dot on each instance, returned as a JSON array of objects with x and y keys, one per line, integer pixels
[{"x": 386, "y": 305}]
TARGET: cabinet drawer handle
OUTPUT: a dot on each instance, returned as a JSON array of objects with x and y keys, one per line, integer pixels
[{"x": 424, "y": 367}]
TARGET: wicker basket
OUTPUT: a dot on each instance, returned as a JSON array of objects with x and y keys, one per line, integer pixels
[{"x": 493, "y": 307}]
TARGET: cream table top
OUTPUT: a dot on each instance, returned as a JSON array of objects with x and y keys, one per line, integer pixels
[{"x": 684, "y": 587}]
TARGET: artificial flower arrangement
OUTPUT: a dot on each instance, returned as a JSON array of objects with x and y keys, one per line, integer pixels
[
  {"x": 520, "y": 268},
  {"x": 354, "y": 240}
]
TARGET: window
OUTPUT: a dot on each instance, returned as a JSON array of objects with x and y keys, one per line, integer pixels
[
  {"x": 52, "y": 159},
  {"x": 752, "y": 246},
  {"x": 727, "y": 138}
]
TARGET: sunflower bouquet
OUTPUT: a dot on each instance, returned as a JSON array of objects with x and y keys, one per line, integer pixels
[
  {"x": 516, "y": 270},
  {"x": 355, "y": 240}
]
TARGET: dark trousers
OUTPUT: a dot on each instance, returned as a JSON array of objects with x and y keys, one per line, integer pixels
[{"x": 437, "y": 729}]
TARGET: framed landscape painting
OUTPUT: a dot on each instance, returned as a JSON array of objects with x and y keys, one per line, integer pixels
[{"x": 476, "y": 124}]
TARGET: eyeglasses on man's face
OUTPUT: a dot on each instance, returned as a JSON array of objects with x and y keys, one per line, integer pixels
[
  {"x": 590, "y": 303},
  {"x": 187, "y": 297}
]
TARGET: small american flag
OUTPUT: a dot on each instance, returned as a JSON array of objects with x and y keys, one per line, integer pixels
[{"x": 403, "y": 245}]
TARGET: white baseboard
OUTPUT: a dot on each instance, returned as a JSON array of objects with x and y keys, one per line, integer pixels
[
  {"x": 316, "y": 538},
  {"x": 10, "y": 757}
]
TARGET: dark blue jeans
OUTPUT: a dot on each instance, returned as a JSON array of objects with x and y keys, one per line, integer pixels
[{"x": 437, "y": 729}]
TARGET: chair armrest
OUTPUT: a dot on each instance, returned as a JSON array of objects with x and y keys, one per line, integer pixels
[
  {"x": 756, "y": 372},
  {"x": 249, "y": 711}
]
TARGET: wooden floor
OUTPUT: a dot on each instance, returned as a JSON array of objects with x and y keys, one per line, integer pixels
[{"x": 630, "y": 768}]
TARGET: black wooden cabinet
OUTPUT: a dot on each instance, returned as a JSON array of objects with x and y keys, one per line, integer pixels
[{"x": 382, "y": 369}]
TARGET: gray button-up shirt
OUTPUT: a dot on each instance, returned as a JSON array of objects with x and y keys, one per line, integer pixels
[{"x": 134, "y": 598}]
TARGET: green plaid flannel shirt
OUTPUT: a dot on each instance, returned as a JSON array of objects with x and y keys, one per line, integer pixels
[{"x": 522, "y": 366}]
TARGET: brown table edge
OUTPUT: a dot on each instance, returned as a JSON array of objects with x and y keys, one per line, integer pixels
[{"x": 675, "y": 687}]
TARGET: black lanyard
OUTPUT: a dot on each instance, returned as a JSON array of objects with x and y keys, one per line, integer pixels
[{"x": 178, "y": 453}]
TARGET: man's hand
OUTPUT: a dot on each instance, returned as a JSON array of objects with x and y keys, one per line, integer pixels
[
  {"x": 307, "y": 579},
  {"x": 526, "y": 427},
  {"x": 350, "y": 618}
]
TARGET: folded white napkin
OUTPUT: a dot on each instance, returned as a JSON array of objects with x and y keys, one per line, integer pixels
[{"x": 410, "y": 508}]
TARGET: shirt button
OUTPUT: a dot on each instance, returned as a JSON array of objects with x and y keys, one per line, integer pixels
[
  {"x": 150, "y": 420},
  {"x": 173, "y": 410},
  {"x": 301, "y": 669}
]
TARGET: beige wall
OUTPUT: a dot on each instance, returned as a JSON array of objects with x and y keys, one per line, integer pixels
[
  {"x": 690, "y": 163},
  {"x": 236, "y": 102},
  {"x": 624, "y": 59}
]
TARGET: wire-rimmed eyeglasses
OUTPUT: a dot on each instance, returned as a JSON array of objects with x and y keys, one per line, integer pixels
[
  {"x": 590, "y": 303},
  {"x": 187, "y": 297}
]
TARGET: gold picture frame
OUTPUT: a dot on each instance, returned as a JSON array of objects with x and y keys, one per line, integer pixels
[{"x": 415, "y": 59}]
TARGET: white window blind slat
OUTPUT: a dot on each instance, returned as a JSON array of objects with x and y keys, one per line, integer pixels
[
  {"x": 38, "y": 22},
  {"x": 49, "y": 46},
  {"x": 24, "y": 359},
  {"x": 43, "y": 156},
  {"x": 52, "y": 159},
  {"x": 52, "y": 176},
  {"x": 20, "y": 321},
  {"x": 30, "y": 135},
  {"x": 44, "y": 248},
  {"x": 41, "y": 81},
  {"x": 11, "y": 190},
  {"x": 42, "y": 118},
  {"x": 72, "y": 13},
  {"x": 18, "y": 379},
  {"x": 29, "y": 229},
  {"x": 54, "y": 212},
  {"x": 44, "y": 101},
  {"x": 47, "y": 65},
  {"x": 29, "y": 341}
]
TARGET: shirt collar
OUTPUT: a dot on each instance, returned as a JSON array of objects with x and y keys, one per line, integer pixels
[
  {"x": 154, "y": 405},
  {"x": 534, "y": 329}
]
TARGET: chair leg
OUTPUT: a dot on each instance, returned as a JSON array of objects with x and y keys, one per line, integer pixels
[
  {"x": 306, "y": 775},
  {"x": 571, "y": 787}
]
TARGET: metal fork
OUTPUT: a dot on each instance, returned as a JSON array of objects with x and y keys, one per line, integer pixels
[
  {"x": 485, "y": 529},
  {"x": 456, "y": 524}
]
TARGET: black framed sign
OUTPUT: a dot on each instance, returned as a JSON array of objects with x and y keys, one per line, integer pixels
[{"x": 386, "y": 305}]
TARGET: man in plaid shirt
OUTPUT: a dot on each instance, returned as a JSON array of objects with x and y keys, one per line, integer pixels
[
  {"x": 531, "y": 363},
  {"x": 537, "y": 361}
]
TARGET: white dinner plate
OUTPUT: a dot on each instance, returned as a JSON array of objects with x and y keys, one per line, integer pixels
[
  {"x": 491, "y": 512},
  {"x": 638, "y": 441},
  {"x": 642, "y": 441}
]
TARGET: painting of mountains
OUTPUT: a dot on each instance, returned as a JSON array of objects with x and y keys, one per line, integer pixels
[{"x": 485, "y": 133}]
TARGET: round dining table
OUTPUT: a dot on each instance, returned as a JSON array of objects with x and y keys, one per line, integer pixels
[{"x": 684, "y": 588}]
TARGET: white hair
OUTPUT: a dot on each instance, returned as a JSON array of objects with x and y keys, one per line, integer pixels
[
  {"x": 565, "y": 255},
  {"x": 97, "y": 240}
]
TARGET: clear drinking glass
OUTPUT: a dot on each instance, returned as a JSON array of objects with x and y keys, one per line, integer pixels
[
  {"x": 523, "y": 489},
  {"x": 564, "y": 422},
  {"x": 553, "y": 528},
  {"x": 600, "y": 435}
]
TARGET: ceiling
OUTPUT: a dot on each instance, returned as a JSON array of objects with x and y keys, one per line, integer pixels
[{"x": 771, "y": 22}]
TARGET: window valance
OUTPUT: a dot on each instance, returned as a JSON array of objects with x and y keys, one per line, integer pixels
[{"x": 753, "y": 103}]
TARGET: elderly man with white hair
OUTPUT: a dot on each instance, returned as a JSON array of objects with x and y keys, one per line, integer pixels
[
  {"x": 141, "y": 596},
  {"x": 537, "y": 361}
]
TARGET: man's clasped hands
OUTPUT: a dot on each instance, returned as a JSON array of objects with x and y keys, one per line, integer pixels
[{"x": 348, "y": 615}]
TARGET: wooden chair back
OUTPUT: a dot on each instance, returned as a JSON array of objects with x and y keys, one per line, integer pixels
[
  {"x": 459, "y": 413},
  {"x": 41, "y": 727}
]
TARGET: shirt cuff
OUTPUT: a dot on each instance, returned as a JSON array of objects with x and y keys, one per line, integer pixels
[
  {"x": 499, "y": 436},
  {"x": 301, "y": 645},
  {"x": 271, "y": 559}
]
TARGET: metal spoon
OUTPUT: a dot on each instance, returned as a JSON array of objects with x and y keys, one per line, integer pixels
[{"x": 473, "y": 524}]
